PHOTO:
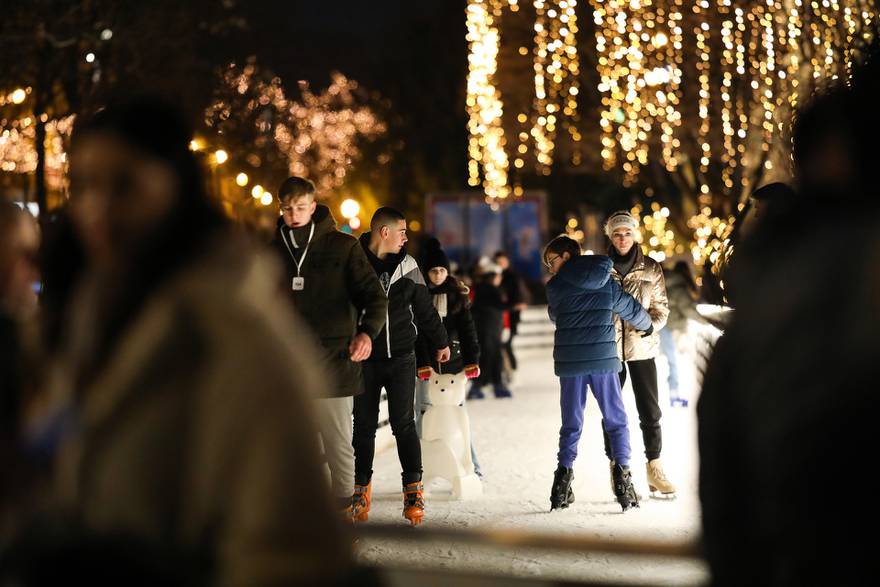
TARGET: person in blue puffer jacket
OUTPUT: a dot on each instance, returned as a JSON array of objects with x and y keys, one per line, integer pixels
[{"x": 582, "y": 300}]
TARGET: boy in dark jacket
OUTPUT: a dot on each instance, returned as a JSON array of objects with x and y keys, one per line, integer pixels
[
  {"x": 582, "y": 299},
  {"x": 333, "y": 287},
  {"x": 392, "y": 363}
]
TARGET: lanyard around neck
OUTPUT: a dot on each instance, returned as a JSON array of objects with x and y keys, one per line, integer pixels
[{"x": 305, "y": 251}]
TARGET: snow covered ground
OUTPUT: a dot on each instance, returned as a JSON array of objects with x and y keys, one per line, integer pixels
[{"x": 516, "y": 443}]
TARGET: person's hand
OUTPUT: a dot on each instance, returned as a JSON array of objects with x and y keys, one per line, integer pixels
[
  {"x": 423, "y": 373},
  {"x": 471, "y": 371},
  {"x": 648, "y": 332},
  {"x": 360, "y": 348},
  {"x": 443, "y": 355}
]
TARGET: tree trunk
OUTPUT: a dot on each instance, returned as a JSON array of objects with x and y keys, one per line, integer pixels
[{"x": 40, "y": 171}]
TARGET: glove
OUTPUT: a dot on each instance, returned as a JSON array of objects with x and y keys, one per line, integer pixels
[
  {"x": 424, "y": 373},
  {"x": 472, "y": 371},
  {"x": 648, "y": 332}
]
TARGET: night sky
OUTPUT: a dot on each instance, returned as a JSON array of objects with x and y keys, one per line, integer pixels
[{"x": 413, "y": 52}]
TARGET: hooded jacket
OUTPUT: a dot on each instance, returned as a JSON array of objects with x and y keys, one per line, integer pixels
[
  {"x": 409, "y": 306},
  {"x": 582, "y": 300},
  {"x": 341, "y": 296}
]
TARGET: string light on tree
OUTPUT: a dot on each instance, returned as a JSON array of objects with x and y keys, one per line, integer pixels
[{"x": 486, "y": 146}]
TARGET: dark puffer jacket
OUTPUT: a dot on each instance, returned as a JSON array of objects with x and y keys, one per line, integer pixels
[
  {"x": 451, "y": 301},
  {"x": 410, "y": 311},
  {"x": 582, "y": 299},
  {"x": 341, "y": 297}
]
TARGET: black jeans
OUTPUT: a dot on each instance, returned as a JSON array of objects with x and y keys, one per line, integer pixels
[
  {"x": 644, "y": 383},
  {"x": 397, "y": 376}
]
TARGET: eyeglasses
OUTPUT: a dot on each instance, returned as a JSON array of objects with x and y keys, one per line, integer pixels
[{"x": 549, "y": 262}]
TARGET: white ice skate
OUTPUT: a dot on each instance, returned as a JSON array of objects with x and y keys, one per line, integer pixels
[{"x": 446, "y": 436}]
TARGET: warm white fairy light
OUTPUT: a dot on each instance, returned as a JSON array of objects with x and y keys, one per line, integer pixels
[
  {"x": 18, "y": 153},
  {"x": 486, "y": 147},
  {"x": 557, "y": 68},
  {"x": 318, "y": 135},
  {"x": 708, "y": 87}
]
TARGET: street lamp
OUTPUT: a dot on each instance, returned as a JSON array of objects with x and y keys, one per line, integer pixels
[{"x": 349, "y": 208}]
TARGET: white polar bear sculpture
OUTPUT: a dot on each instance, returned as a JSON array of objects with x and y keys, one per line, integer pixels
[{"x": 446, "y": 436}]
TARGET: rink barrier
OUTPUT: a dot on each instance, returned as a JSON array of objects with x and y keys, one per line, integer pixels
[
  {"x": 506, "y": 538},
  {"x": 535, "y": 330}
]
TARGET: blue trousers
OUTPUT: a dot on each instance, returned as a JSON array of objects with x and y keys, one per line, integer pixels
[
  {"x": 667, "y": 345},
  {"x": 573, "y": 400}
]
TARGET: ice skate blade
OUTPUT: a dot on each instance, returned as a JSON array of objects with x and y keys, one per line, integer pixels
[
  {"x": 414, "y": 520},
  {"x": 663, "y": 496}
]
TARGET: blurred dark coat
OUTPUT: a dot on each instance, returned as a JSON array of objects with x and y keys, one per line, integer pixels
[{"x": 787, "y": 411}]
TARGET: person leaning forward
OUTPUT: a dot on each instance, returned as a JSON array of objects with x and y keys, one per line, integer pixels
[{"x": 333, "y": 286}]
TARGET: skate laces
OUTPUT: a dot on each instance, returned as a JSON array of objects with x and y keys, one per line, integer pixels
[
  {"x": 412, "y": 495},
  {"x": 657, "y": 472},
  {"x": 359, "y": 499}
]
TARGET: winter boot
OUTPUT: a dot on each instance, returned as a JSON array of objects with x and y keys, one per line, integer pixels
[
  {"x": 657, "y": 480},
  {"x": 623, "y": 488},
  {"x": 561, "y": 495},
  {"x": 414, "y": 503},
  {"x": 676, "y": 400},
  {"x": 476, "y": 392},
  {"x": 501, "y": 391},
  {"x": 360, "y": 502}
]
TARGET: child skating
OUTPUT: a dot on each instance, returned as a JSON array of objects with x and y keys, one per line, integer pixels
[{"x": 582, "y": 299}]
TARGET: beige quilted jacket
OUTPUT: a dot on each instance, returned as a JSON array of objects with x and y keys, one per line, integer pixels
[{"x": 645, "y": 283}]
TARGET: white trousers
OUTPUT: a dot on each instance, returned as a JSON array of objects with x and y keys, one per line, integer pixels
[{"x": 334, "y": 419}]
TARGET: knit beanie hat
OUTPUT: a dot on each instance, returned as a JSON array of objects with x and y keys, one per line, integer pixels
[
  {"x": 620, "y": 219},
  {"x": 434, "y": 256},
  {"x": 486, "y": 265}
]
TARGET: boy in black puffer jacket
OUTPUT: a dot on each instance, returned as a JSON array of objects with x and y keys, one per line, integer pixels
[{"x": 392, "y": 364}]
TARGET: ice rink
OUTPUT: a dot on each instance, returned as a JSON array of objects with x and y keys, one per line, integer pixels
[{"x": 516, "y": 443}]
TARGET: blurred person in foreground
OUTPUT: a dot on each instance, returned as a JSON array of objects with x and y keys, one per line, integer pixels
[
  {"x": 183, "y": 391},
  {"x": 19, "y": 276},
  {"x": 789, "y": 397}
]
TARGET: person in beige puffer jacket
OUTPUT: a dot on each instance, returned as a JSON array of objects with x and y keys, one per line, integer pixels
[
  {"x": 642, "y": 278},
  {"x": 178, "y": 412}
]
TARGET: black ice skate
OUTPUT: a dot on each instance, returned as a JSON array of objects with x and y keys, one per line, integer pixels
[
  {"x": 623, "y": 487},
  {"x": 561, "y": 495}
]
